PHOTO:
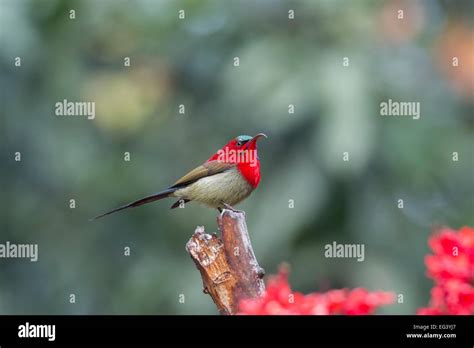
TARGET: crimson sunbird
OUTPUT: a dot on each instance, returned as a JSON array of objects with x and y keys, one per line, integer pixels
[{"x": 225, "y": 179}]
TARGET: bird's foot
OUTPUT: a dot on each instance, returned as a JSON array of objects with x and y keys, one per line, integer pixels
[{"x": 229, "y": 207}]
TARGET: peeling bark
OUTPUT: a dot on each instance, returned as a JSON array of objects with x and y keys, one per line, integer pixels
[{"x": 228, "y": 266}]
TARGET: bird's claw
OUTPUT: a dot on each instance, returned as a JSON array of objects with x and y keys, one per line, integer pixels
[
  {"x": 229, "y": 207},
  {"x": 260, "y": 273}
]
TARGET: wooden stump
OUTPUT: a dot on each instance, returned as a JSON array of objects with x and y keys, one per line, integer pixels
[{"x": 228, "y": 267}]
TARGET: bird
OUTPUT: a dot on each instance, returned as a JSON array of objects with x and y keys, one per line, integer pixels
[{"x": 228, "y": 177}]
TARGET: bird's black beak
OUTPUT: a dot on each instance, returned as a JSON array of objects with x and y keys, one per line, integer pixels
[
  {"x": 254, "y": 139},
  {"x": 259, "y": 135}
]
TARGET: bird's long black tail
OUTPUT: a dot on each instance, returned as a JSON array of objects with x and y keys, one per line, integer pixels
[{"x": 145, "y": 200}]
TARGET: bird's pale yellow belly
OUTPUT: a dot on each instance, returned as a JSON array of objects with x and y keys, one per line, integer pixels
[{"x": 227, "y": 187}]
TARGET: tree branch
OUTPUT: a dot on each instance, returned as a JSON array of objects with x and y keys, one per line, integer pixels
[{"x": 228, "y": 267}]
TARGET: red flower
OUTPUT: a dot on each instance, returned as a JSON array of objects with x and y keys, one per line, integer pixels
[
  {"x": 452, "y": 269},
  {"x": 279, "y": 299}
]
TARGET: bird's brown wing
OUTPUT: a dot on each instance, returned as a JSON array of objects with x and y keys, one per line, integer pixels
[{"x": 207, "y": 169}]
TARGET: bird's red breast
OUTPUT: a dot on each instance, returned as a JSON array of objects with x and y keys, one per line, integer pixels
[
  {"x": 251, "y": 174},
  {"x": 244, "y": 156}
]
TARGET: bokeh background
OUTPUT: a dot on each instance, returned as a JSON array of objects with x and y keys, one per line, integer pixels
[{"x": 190, "y": 62}]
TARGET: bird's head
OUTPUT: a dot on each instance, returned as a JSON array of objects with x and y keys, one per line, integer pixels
[
  {"x": 238, "y": 149},
  {"x": 245, "y": 142}
]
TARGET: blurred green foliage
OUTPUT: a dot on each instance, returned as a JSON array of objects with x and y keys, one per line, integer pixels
[{"x": 190, "y": 62}]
